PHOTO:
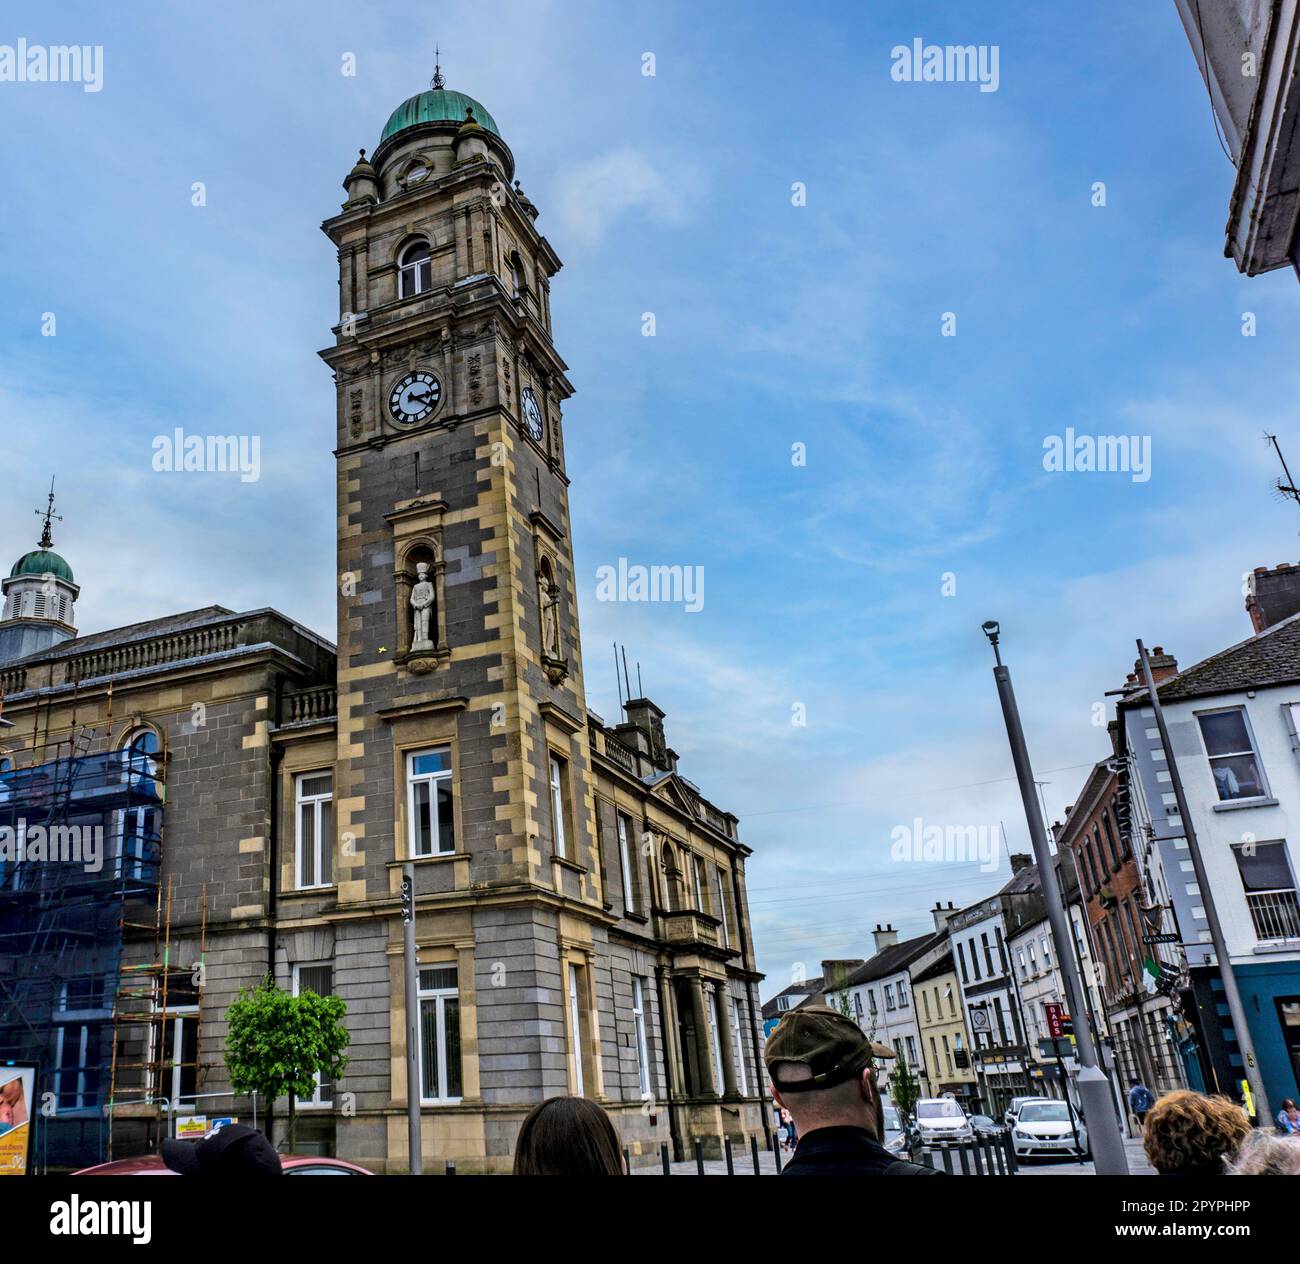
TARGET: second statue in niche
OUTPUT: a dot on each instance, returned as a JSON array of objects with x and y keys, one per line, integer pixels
[{"x": 421, "y": 608}]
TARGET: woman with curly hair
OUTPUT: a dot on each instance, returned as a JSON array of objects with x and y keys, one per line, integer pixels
[{"x": 1191, "y": 1134}]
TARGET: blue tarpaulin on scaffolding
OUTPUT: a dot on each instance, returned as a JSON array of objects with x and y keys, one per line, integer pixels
[{"x": 80, "y": 842}]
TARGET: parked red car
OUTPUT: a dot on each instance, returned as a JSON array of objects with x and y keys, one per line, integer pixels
[{"x": 293, "y": 1164}]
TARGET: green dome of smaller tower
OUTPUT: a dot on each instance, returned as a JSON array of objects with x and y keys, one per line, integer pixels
[
  {"x": 42, "y": 562},
  {"x": 437, "y": 105}
]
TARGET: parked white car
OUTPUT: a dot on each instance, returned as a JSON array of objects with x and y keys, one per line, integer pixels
[
  {"x": 940, "y": 1120},
  {"x": 1047, "y": 1126},
  {"x": 1009, "y": 1118}
]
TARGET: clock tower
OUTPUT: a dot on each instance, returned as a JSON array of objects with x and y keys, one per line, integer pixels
[{"x": 462, "y": 739}]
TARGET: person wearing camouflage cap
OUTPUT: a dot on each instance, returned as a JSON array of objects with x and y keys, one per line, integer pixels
[{"x": 822, "y": 1069}]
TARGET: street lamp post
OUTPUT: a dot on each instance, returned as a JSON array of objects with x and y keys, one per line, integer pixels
[
  {"x": 1094, "y": 1088},
  {"x": 411, "y": 987}
]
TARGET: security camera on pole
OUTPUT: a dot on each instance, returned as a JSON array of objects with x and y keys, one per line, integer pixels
[{"x": 1109, "y": 1157}]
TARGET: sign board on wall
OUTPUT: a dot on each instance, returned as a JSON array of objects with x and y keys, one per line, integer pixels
[{"x": 17, "y": 1093}]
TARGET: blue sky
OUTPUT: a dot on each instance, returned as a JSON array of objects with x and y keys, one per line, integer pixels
[{"x": 776, "y": 324}]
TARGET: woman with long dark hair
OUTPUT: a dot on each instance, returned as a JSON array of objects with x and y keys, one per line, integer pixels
[{"x": 568, "y": 1136}]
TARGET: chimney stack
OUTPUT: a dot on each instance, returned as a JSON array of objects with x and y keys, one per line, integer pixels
[
  {"x": 835, "y": 973},
  {"x": 886, "y": 936},
  {"x": 1020, "y": 860},
  {"x": 643, "y": 730},
  {"x": 942, "y": 915},
  {"x": 1274, "y": 595},
  {"x": 1162, "y": 666}
]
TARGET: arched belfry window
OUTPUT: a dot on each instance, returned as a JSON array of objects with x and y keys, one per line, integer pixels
[
  {"x": 518, "y": 275},
  {"x": 415, "y": 270}
]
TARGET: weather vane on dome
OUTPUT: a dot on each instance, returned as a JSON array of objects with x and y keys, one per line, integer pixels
[
  {"x": 47, "y": 539},
  {"x": 437, "y": 81}
]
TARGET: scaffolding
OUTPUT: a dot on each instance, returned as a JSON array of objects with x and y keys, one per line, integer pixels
[
  {"x": 80, "y": 861},
  {"x": 156, "y": 1067}
]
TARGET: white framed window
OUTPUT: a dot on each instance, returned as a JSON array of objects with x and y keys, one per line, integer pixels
[
  {"x": 415, "y": 270},
  {"x": 642, "y": 1048},
  {"x": 889, "y": 996},
  {"x": 625, "y": 862},
  {"x": 722, "y": 905},
  {"x": 318, "y": 978},
  {"x": 560, "y": 804},
  {"x": 139, "y": 827},
  {"x": 697, "y": 870},
  {"x": 715, "y": 1041},
  {"x": 429, "y": 802},
  {"x": 77, "y": 1062},
  {"x": 904, "y": 1001},
  {"x": 440, "y": 1066},
  {"x": 314, "y": 816},
  {"x": 738, "y": 1044},
  {"x": 575, "y": 1029},
  {"x": 1230, "y": 749}
]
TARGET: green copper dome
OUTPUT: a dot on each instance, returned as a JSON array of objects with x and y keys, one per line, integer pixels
[
  {"x": 437, "y": 105},
  {"x": 42, "y": 562}
]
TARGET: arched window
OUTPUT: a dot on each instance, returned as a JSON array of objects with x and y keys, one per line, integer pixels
[
  {"x": 518, "y": 274},
  {"x": 139, "y": 826},
  {"x": 415, "y": 270}
]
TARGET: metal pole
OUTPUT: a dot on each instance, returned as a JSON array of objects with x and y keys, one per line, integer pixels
[
  {"x": 412, "y": 969},
  {"x": 1094, "y": 1087},
  {"x": 1235, "y": 1008}
]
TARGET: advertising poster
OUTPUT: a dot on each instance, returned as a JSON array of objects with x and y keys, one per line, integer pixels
[{"x": 17, "y": 1092}]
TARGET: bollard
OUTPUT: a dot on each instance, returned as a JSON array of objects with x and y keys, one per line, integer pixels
[
  {"x": 627, "y": 1161},
  {"x": 776, "y": 1154},
  {"x": 699, "y": 1157},
  {"x": 753, "y": 1146},
  {"x": 663, "y": 1152},
  {"x": 726, "y": 1148},
  {"x": 1009, "y": 1152},
  {"x": 451, "y": 1167},
  {"x": 963, "y": 1153}
]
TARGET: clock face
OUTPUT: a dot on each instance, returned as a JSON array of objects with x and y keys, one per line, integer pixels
[
  {"x": 414, "y": 399},
  {"x": 533, "y": 415}
]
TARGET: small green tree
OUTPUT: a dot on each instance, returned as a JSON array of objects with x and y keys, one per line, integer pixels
[
  {"x": 903, "y": 1088},
  {"x": 277, "y": 1042}
]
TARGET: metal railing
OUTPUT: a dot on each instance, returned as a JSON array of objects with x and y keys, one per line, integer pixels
[
  {"x": 1276, "y": 914},
  {"x": 985, "y": 1156}
]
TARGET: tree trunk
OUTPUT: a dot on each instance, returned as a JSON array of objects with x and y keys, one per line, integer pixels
[{"x": 293, "y": 1120}]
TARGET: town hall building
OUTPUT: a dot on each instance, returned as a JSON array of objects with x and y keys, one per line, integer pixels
[{"x": 580, "y": 907}]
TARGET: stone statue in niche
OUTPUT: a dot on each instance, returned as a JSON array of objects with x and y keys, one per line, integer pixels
[
  {"x": 550, "y": 617},
  {"x": 421, "y": 608}
]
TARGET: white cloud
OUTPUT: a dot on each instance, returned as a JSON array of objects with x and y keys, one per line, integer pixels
[{"x": 590, "y": 196}]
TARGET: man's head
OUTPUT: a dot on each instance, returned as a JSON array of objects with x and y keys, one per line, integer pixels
[{"x": 820, "y": 1064}]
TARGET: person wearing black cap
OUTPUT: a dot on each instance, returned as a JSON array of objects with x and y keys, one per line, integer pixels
[
  {"x": 820, "y": 1064},
  {"x": 235, "y": 1150}
]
